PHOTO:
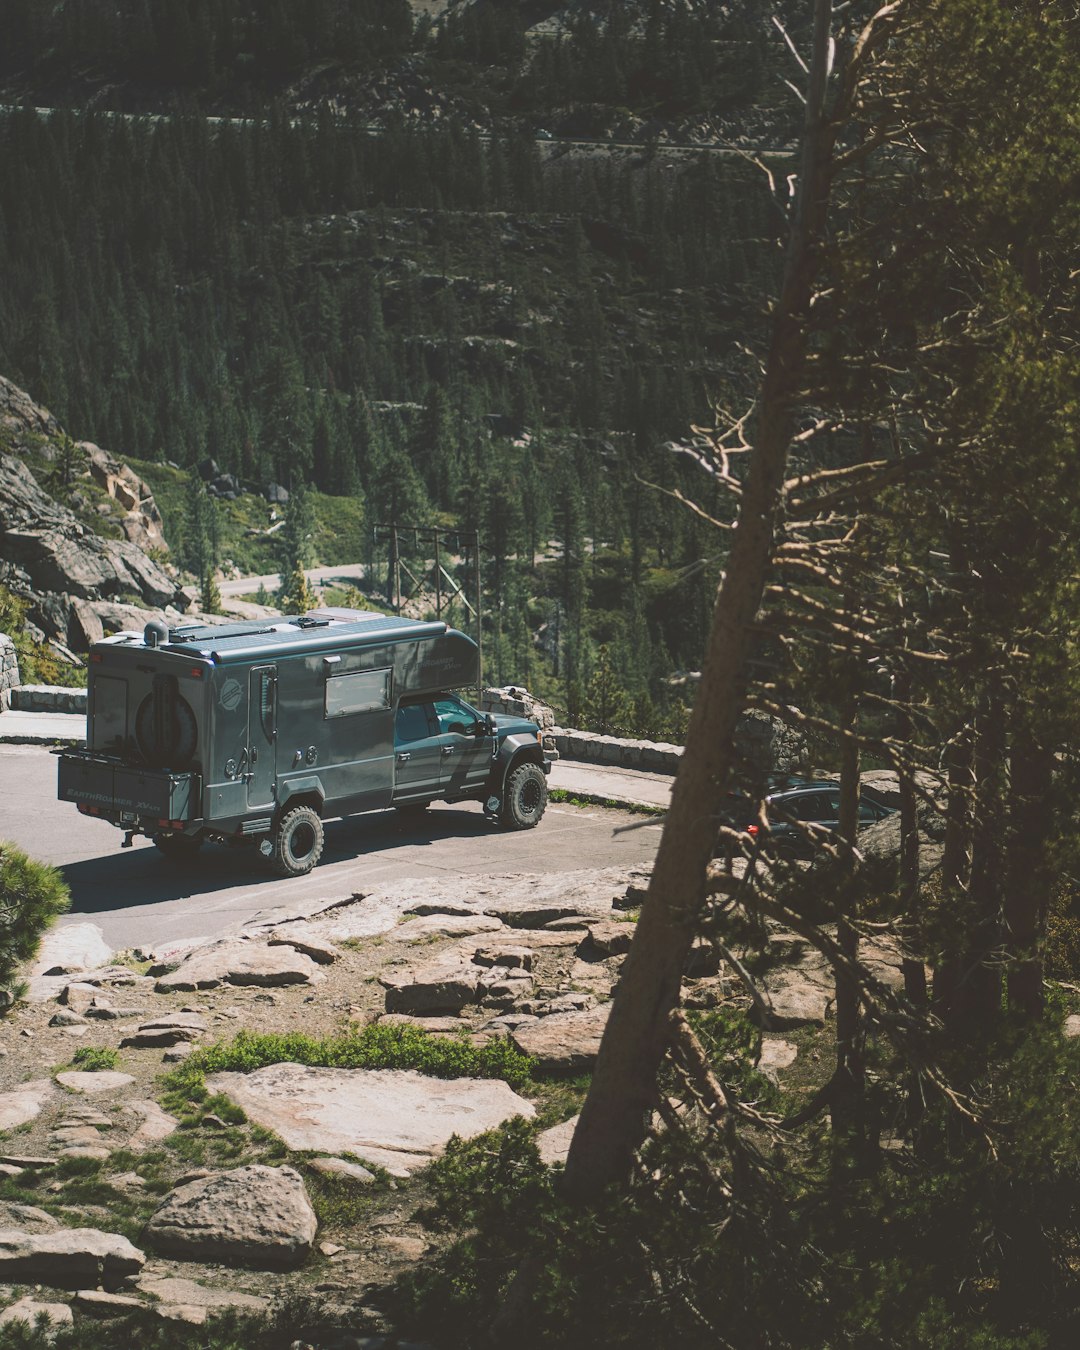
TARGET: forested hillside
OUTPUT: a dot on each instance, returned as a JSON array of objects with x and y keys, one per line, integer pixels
[{"x": 498, "y": 331}]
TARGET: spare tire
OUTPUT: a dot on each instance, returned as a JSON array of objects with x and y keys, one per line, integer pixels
[{"x": 165, "y": 726}]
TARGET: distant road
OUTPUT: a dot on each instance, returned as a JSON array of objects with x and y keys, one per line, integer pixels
[
  {"x": 554, "y": 143},
  {"x": 347, "y": 574}
]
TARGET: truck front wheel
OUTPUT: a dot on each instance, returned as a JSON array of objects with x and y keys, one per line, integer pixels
[
  {"x": 525, "y": 798},
  {"x": 298, "y": 842}
]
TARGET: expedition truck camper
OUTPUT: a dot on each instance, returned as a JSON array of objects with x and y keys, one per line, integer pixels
[{"x": 258, "y": 732}]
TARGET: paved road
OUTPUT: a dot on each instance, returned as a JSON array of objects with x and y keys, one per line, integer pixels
[
  {"x": 344, "y": 574},
  {"x": 137, "y": 898}
]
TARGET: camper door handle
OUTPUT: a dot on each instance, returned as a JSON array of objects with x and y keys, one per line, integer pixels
[
  {"x": 404, "y": 759},
  {"x": 447, "y": 750}
]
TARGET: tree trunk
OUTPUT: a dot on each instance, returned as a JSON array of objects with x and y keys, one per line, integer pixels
[
  {"x": 954, "y": 861},
  {"x": 977, "y": 999},
  {"x": 623, "y": 1087},
  {"x": 848, "y": 1100},
  {"x": 1026, "y": 880},
  {"x": 908, "y": 880}
]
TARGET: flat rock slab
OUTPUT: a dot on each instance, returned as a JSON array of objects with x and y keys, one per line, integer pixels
[
  {"x": 608, "y": 937},
  {"x": 776, "y": 1054},
  {"x": 258, "y": 1215},
  {"x": 445, "y": 925},
  {"x": 27, "y": 1218},
  {"x": 188, "y": 1301},
  {"x": 588, "y": 893},
  {"x": 342, "y": 1168},
  {"x": 393, "y": 1118},
  {"x": 24, "y": 1103},
  {"x": 96, "y": 1303},
  {"x": 301, "y": 937},
  {"x": 151, "y": 1124},
  {"x": 30, "y": 1310},
  {"x": 797, "y": 997},
  {"x": 564, "y": 1043},
  {"x": 240, "y": 963},
  {"x": 444, "y": 985},
  {"x": 554, "y": 1144},
  {"x": 105, "y": 1080},
  {"x": 167, "y": 1031},
  {"x": 67, "y": 1258},
  {"x": 71, "y": 947}
]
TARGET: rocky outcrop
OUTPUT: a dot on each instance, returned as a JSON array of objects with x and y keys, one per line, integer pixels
[
  {"x": 9, "y": 670},
  {"x": 564, "y": 1043},
  {"x": 63, "y": 568},
  {"x": 240, "y": 963},
  {"x": 67, "y": 1258},
  {"x": 141, "y": 522},
  {"x": 24, "y": 424},
  {"x": 257, "y": 1215}
]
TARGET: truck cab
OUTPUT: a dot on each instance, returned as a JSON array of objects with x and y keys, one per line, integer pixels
[{"x": 257, "y": 733}]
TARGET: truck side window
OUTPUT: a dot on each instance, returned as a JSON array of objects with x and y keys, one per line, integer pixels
[
  {"x": 453, "y": 715},
  {"x": 411, "y": 724}
]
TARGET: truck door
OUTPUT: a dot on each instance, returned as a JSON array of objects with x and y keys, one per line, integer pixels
[
  {"x": 262, "y": 735},
  {"x": 466, "y": 757},
  {"x": 418, "y": 753}
]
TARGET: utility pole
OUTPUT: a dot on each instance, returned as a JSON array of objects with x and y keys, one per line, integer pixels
[{"x": 438, "y": 538}]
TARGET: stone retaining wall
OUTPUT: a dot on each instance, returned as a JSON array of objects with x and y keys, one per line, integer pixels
[
  {"x": 613, "y": 751},
  {"x": 9, "y": 669},
  {"x": 48, "y": 698},
  {"x": 765, "y": 743}
]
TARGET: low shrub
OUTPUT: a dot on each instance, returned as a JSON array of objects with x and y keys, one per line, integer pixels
[
  {"x": 95, "y": 1058},
  {"x": 32, "y": 894}
]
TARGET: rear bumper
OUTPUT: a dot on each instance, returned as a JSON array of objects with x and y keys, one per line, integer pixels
[{"x": 124, "y": 793}]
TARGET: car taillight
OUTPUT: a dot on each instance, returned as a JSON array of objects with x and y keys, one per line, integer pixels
[{"x": 753, "y": 829}]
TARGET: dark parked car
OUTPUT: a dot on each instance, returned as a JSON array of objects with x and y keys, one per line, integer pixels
[{"x": 798, "y": 811}]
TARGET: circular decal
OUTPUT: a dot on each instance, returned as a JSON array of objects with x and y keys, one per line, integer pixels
[{"x": 231, "y": 694}]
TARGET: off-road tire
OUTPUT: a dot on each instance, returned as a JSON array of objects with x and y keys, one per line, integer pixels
[
  {"x": 524, "y": 799},
  {"x": 298, "y": 842},
  {"x": 178, "y": 848}
]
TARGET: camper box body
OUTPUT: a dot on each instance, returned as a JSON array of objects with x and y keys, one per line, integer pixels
[{"x": 217, "y": 731}]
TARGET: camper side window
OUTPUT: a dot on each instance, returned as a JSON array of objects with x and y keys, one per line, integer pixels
[
  {"x": 359, "y": 691},
  {"x": 110, "y": 713}
]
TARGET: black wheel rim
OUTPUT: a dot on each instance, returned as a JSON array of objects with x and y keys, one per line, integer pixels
[
  {"x": 302, "y": 841},
  {"x": 530, "y": 797}
]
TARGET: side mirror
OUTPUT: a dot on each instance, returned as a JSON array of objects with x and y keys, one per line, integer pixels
[{"x": 486, "y": 725}]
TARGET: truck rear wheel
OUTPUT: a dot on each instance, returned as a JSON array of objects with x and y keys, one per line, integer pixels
[
  {"x": 298, "y": 842},
  {"x": 525, "y": 798}
]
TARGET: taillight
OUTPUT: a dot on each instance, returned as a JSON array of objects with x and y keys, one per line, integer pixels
[{"x": 753, "y": 829}]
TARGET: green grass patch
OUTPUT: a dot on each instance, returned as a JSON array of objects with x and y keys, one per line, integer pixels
[
  {"x": 84, "y": 1183},
  {"x": 565, "y": 797},
  {"x": 557, "y": 1099},
  {"x": 341, "y": 1203},
  {"x": 95, "y": 1058},
  {"x": 375, "y": 1047}
]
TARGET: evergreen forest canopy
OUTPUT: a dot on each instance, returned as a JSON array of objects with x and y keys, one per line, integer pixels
[{"x": 437, "y": 322}]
